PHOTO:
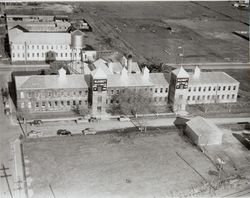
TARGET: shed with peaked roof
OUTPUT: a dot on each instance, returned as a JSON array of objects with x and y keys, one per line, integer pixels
[{"x": 202, "y": 132}]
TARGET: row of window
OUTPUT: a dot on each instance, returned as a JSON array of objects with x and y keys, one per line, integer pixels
[
  {"x": 41, "y": 47},
  {"x": 156, "y": 90},
  {"x": 219, "y": 88},
  {"x": 155, "y": 99},
  {"x": 53, "y": 94},
  {"x": 211, "y": 97},
  {"x": 48, "y": 54},
  {"x": 61, "y": 103}
]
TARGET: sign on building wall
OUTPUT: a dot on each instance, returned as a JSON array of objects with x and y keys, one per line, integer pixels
[
  {"x": 182, "y": 83},
  {"x": 100, "y": 85}
]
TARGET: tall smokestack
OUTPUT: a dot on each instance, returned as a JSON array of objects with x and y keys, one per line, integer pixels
[{"x": 129, "y": 63}]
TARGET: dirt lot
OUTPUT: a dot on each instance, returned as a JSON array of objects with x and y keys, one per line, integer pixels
[
  {"x": 155, "y": 30},
  {"x": 113, "y": 165}
]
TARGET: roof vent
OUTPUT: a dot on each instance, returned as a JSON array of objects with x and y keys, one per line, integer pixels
[{"x": 197, "y": 72}]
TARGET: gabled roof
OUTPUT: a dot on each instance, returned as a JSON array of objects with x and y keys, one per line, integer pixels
[
  {"x": 202, "y": 126},
  {"x": 98, "y": 74},
  {"x": 116, "y": 67},
  {"x": 132, "y": 80},
  {"x": 158, "y": 79},
  {"x": 211, "y": 78},
  {"x": 180, "y": 72},
  {"x": 39, "y": 37},
  {"x": 50, "y": 82},
  {"x": 102, "y": 64}
]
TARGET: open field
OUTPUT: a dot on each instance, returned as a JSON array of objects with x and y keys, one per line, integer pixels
[
  {"x": 155, "y": 30},
  {"x": 113, "y": 165}
]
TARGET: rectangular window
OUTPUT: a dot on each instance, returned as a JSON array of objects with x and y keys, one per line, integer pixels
[
  {"x": 224, "y": 88},
  {"x": 28, "y": 55},
  {"x": 155, "y": 90},
  {"x": 68, "y": 103},
  {"x": 38, "y": 47},
  {"x": 13, "y": 55},
  {"x": 65, "y": 54},
  {"x": 29, "y": 95},
  {"x": 21, "y": 94},
  {"x": 155, "y": 99},
  {"x": 234, "y": 88},
  {"x": 37, "y": 54},
  {"x": 74, "y": 102},
  {"x": 180, "y": 97},
  {"x": 33, "y": 54},
  {"x": 189, "y": 89},
  {"x": 99, "y": 99},
  {"x": 214, "y": 88},
  {"x": 166, "y": 98},
  {"x": 208, "y": 97},
  {"x": 166, "y": 90},
  {"x": 222, "y": 96},
  {"x": 193, "y": 97},
  {"x": 161, "y": 90},
  {"x": 209, "y": 88},
  {"x": 228, "y": 96},
  {"x": 203, "y": 97},
  {"x": 80, "y": 92},
  {"x": 199, "y": 88},
  {"x": 188, "y": 98},
  {"x": 117, "y": 91},
  {"x": 80, "y": 102},
  {"x": 42, "y": 46},
  {"x": 49, "y": 104},
  {"x": 159, "y": 99},
  {"x": 37, "y": 104},
  {"x": 204, "y": 88},
  {"x": 198, "y": 97},
  {"x": 229, "y": 88},
  {"x": 86, "y": 92},
  {"x": 151, "y": 89},
  {"x": 112, "y": 92},
  {"x": 219, "y": 88},
  {"x": 233, "y": 96},
  {"x": 61, "y": 54},
  {"x": 194, "y": 88},
  {"x": 56, "y": 103},
  {"x": 43, "y": 104},
  {"x": 62, "y": 103}
]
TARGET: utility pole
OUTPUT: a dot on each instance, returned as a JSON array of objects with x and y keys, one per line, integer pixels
[{"x": 6, "y": 178}]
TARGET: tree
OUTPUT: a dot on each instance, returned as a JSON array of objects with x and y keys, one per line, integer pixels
[
  {"x": 131, "y": 101},
  {"x": 83, "y": 110}
]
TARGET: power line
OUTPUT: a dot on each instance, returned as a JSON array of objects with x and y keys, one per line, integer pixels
[{"x": 6, "y": 178}]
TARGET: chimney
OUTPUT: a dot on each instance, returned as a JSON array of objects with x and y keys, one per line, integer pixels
[
  {"x": 197, "y": 72},
  {"x": 129, "y": 63},
  {"x": 145, "y": 72}
]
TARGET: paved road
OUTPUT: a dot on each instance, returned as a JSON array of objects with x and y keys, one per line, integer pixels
[
  {"x": 222, "y": 65},
  {"x": 8, "y": 134}
]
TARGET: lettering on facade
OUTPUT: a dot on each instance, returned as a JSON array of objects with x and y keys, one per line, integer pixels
[
  {"x": 182, "y": 83},
  {"x": 100, "y": 85}
]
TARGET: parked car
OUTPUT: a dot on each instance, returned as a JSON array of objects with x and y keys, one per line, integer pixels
[
  {"x": 89, "y": 131},
  {"x": 123, "y": 118},
  {"x": 81, "y": 120},
  {"x": 93, "y": 119},
  {"x": 33, "y": 133},
  {"x": 63, "y": 132},
  {"x": 36, "y": 122}
]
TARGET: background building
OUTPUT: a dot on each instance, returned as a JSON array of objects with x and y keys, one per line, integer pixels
[{"x": 48, "y": 46}]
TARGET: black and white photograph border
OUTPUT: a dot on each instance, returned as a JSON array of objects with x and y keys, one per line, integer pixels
[{"x": 124, "y": 99}]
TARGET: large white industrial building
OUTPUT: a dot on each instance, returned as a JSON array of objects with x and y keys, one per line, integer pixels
[{"x": 46, "y": 46}]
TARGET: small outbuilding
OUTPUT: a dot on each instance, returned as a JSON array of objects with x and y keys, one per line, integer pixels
[{"x": 202, "y": 132}]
